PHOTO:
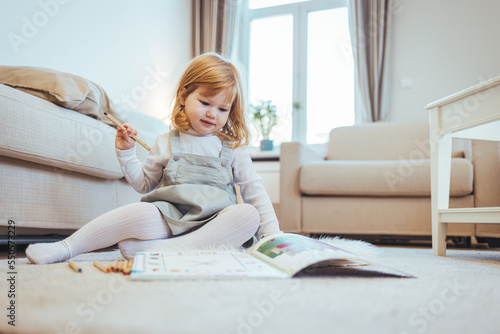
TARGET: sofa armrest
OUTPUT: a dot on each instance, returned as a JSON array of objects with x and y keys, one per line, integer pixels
[
  {"x": 486, "y": 161},
  {"x": 293, "y": 156}
]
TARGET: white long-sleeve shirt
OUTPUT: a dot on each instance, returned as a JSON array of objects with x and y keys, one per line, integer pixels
[{"x": 144, "y": 177}]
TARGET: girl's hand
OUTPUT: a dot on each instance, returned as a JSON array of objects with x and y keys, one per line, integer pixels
[{"x": 123, "y": 139}]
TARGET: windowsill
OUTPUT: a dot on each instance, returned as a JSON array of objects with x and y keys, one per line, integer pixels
[{"x": 257, "y": 155}]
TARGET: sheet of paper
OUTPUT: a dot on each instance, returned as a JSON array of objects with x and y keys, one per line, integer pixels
[{"x": 200, "y": 264}]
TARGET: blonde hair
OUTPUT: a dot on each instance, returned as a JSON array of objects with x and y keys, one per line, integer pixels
[{"x": 214, "y": 74}]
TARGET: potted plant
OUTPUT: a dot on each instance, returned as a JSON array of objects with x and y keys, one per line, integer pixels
[{"x": 266, "y": 118}]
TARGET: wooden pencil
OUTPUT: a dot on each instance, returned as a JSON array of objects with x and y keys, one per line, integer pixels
[
  {"x": 113, "y": 266},
  {"x": 120, "y": 125},
  {"x": 75, "y": 266},
  {"x": 128, "y": 268},
  {"x": 102, "y": 266},
  {"x": 119, "y": 267}
]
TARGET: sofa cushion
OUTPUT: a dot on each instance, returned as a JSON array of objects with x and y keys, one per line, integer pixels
[
  {"x": 39, "y": 131},
  {"x": 66, "y": 90},
  {"x": 381, "y": 178},
  {"x": 385, "y": 141}
]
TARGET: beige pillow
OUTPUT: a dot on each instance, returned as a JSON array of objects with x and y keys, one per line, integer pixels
[{"x": 66, "y": 90}]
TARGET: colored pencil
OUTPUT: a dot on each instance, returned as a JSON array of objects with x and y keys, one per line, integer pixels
[
  {"x": 120, "y": 125},
  {"x": 74, "y": 266},
  {"x": 102, "y": 266}
]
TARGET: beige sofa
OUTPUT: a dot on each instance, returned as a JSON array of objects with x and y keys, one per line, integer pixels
[
  {"x": 375, "y": 181},
  {"x": 58, "y": 168}
]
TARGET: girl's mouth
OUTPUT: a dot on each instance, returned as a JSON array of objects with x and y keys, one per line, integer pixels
[{"x": 207, "y": 123}]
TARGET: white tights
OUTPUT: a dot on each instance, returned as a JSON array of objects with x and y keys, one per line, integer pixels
[{"x": 141, "y": 227}]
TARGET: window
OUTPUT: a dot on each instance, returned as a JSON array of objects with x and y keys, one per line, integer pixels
[
  {"x": 295, "y": 53},
  {"x": 253, "y": 4}
]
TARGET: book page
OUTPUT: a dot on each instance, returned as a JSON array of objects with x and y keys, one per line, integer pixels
[
  {"x": 291, "y": 253},
  {"x": 199, "y": 264}
]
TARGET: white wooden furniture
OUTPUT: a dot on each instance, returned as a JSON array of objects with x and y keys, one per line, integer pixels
[{"x": 473, "y": 113}]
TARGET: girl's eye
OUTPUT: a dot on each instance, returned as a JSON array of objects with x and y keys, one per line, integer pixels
[
  {"x": 204, "y": 103},
  {"x": 222, "y": 109}
]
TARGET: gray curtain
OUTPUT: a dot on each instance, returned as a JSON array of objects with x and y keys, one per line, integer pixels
[
  {"x": 214, "y": 26},
  {"x": 370, "y": 23}
]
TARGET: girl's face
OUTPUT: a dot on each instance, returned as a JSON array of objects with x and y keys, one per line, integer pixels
[{"x": 207, "y": 114}]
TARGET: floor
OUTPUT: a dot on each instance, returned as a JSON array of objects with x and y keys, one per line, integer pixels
[{"x": 457, "y": 294}]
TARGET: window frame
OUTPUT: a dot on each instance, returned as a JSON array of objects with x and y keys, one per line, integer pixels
[{"x": 299, "y": 12}]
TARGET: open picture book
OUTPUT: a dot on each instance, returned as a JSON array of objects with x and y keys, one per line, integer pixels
[{"x": 280, "y": 256}]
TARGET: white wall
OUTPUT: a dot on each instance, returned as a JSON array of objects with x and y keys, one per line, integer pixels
[
  {"x": 135, "y": 49},
  {"x": 442, "y": 46}
]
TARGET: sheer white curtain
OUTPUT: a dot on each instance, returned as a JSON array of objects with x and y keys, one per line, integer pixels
[
  {"x": 214, "y": 26},
  {"x": 370, "y": 23}
]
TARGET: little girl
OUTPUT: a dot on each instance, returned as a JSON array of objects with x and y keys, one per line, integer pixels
[{"x": 189, "y": 177}]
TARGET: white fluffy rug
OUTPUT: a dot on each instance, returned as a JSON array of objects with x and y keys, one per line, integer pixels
[
  {"x": 455, "y": 294},
  {"x": 362, "y": 248}
]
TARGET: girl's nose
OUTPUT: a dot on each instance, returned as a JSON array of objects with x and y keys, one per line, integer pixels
[{"x": 211, "y": 113}]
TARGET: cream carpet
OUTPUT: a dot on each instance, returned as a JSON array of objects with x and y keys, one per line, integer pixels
[{"x": 459, "y": 293}]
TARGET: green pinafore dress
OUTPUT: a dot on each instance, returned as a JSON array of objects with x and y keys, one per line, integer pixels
[{"x": 193, "y": 188}]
